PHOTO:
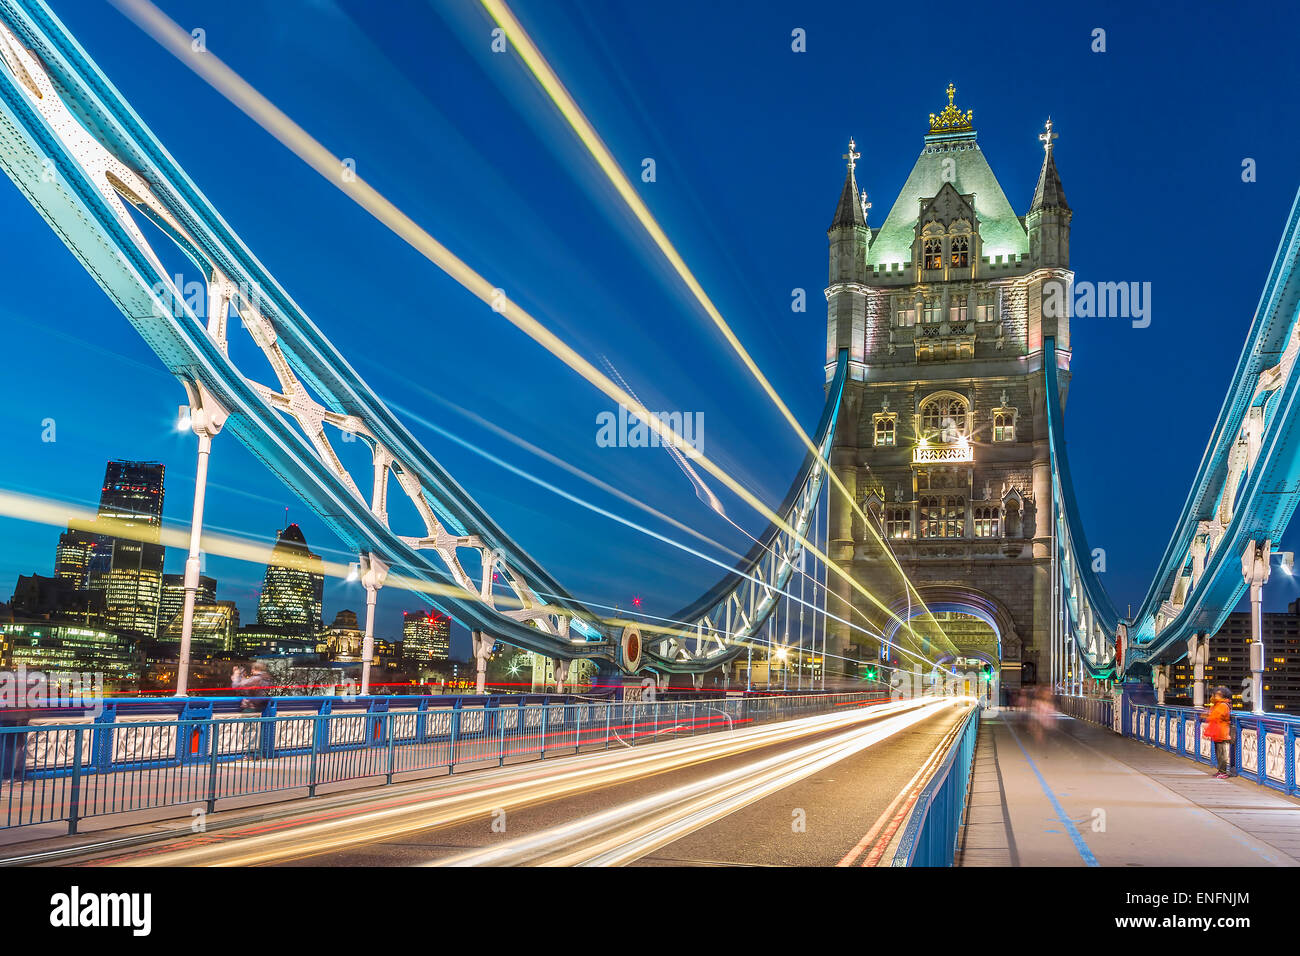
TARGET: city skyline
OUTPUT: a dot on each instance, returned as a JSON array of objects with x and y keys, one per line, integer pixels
[
  {"x": 597, "y": 542},
  {"x": 1102, "y": 152}
]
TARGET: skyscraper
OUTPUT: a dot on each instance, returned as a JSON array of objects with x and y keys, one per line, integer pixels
[
  {"x": 172, "y": 601},
  {"x": 125, "y": 561},
  {"x": 426, "y": 637},
  {"x": 293, "y": 588}
]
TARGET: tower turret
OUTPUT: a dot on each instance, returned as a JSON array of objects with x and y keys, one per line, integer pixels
[
  {"x": 849, "y": 240},
  {"x": 1049, "y": 215}
]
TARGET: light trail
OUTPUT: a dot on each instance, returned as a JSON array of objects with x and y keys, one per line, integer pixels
[
  {"x": 586, "y": 133},
  {"x": 454, "y": 801},
  {"x": 630, "y": 830},
  {"x": 85, "y": 518},
  {"x": 596, "y": 482},
  {"x": 606, "y": 513},
  {"x": 257, "y": 107}
]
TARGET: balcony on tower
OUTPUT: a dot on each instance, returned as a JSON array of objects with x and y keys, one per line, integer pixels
[
  {"x": 943, "y": 453},
  {"x": 944, "y": 341}
]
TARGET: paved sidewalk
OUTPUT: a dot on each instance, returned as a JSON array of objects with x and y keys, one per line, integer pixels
[{"x": 1068, "y": 793}]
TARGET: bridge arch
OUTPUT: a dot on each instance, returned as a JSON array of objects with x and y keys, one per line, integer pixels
[{"x": 962, "y": 599}]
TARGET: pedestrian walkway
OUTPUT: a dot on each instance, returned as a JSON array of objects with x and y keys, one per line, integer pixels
[{"x": 1063, "y": 792}]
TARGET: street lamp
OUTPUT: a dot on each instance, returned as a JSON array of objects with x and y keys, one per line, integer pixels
[{"x": 1255, "y": 566}]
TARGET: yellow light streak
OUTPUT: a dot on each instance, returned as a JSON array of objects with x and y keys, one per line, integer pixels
[
  {"x": 507, "y": 790},
  {"x": 257, "y": 107},
  {"x": 586, "y": 133}
]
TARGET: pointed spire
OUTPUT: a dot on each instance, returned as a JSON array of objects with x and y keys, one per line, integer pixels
[
  {"x": 850, "y": 211},
  {"x": 1050, "y": 194}
]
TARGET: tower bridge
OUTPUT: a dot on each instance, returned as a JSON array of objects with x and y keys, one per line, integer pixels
[{"x": 940, "y": 459}]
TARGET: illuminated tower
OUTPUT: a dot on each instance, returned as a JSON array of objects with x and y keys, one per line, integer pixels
[
  {"x": 125, "y": 559},
  {"x": 943, "y": 432},
  {"x": 293, "y": 587},
  {"x": 426, "y": 637}
]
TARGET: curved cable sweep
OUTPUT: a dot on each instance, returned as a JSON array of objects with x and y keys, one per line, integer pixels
[{"x": 86, "y": 161}]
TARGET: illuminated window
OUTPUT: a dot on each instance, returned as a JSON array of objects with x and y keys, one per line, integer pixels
[
  {"x": 986, "y": 309},
  {"x": 960, "y": 251},
  {"x": 942, "y": 516},
  {"x": 931, "y": 313},
  {"x": 944, "y": 418},
  {"x": 987, "y": 522},
  {"x": 898, "y": 523},
  {"x": 905, "y": 312},
  {"x": 934, "y": 253},
  {"x": 885, "y": 430},
  {"x": 957, "y": 311},
  {"x": 1004, "y": 426}
]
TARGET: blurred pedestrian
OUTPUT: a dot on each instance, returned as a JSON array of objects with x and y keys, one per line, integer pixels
[
  {"x": 252, "y": 683},
  {"x": 1218, "y": 728}
]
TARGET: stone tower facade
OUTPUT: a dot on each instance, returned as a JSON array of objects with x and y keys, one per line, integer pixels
[{"x": 943, "y": 433}]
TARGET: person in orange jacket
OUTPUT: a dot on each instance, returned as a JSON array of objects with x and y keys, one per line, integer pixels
[{"x": 1218, "y": 727}]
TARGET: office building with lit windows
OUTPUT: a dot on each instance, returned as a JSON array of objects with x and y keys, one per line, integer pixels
[
  {"x": 426, "y": 637},
  {"x": 64, "y": 648},
  {"x": 212, "y": 631},
  {"x": 172, "y": 601},
  {"x": 1229, "y": 662},
  {"x": 293, "y": 587},
  {"x": 125, "y": 561}
]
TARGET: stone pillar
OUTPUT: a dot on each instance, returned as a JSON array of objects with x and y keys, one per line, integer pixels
[
  {"x": 1038, "y": 640},
  {"x": 1255, "y": 567},
  {"x": 840, "y": 546},
  {"x": 482, "y": 646},
  {"x": 1197, "y": 655}
]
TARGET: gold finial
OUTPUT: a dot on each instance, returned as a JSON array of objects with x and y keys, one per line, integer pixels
[
  {"x": 1048, "y": 136},
  {"x": 852, "y": 156},
  {"x": 952, "y": 120}
]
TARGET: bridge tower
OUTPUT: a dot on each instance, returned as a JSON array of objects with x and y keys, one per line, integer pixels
[{"x": 943, "y": 436}]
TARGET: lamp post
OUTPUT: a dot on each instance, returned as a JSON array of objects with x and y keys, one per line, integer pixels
[
  {"x": 1256, "y": 563},
  {"x": 206, "y": 416},
  {"x": 373, "y": 574}
]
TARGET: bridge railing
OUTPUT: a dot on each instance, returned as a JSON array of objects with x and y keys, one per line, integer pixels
[
  {"x": 71, "y": 771},
  {"x": 1095, "y": 710},
  {"x": 931, "y": 833},
  {"x": 1265, "y": 748}
]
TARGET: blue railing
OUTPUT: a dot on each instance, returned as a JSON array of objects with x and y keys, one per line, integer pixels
[
  {"x": 1264, "y": 747},
  {"x": 118, "y": 762},
  {"x": 1095, "y": 710},
  {"x": 930, "y": 836}
]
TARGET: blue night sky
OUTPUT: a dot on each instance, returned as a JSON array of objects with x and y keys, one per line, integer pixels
[{"x": 747, "y": 137}]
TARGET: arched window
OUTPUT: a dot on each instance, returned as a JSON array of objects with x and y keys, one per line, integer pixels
[
  {"x": 943, "y": 418},
  {"x": 942, "y": 516},
  {"x": 960, "y": 251},
  {"x": 1004, "y": 426},
  {"x": 885, "y": 431},
  {"x": 898, "y": 522},
  {"x": 933, "y": 253},
  {"x": 987, "y": 523}
]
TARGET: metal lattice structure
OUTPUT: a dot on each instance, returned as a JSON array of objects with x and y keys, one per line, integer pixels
[
  {"x": 89, "y": 164},
  {"x": 1242, "y": 499}
]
